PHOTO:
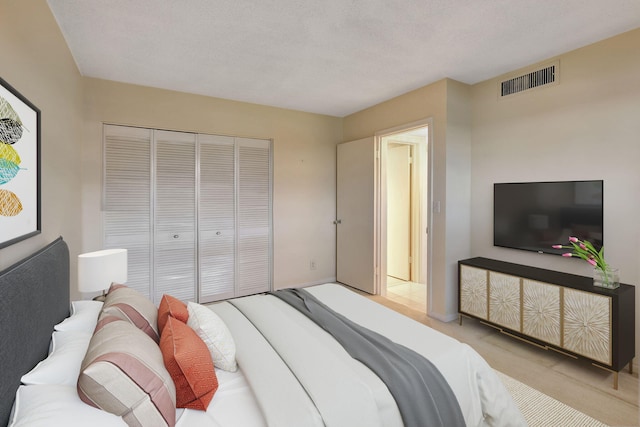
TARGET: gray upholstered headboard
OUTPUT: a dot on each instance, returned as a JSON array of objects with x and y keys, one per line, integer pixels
[{"x": 34, "y": 296}]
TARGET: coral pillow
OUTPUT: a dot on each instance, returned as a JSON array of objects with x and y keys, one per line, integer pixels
[
  {"x": 171, "y": 306},
  {"x": 189, "y": 363}
]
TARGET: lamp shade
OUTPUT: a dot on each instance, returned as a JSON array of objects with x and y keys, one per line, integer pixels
[{"x": 97, "y": 270}]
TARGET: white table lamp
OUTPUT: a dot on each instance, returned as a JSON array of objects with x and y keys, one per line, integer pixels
[{"x": 97, "y": 270}]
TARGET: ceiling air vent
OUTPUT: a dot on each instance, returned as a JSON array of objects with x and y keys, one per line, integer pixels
[{"x": 537, "y": 78}]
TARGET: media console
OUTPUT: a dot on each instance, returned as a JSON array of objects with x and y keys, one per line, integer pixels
[{"x": 552, "y": 310}]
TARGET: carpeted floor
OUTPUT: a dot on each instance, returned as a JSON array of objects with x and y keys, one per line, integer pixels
[{"x": 541, "y": 410}]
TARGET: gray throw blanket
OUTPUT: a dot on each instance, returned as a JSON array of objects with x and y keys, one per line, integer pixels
[{"x": 419, "y": 389}]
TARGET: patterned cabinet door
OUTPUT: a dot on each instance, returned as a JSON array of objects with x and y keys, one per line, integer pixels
[
  {"x": 587, "y": 324},
  {"x": 473, "y": 291},
  {"x": 504, "y": 300},
  {"x": 541, "y": 311}
]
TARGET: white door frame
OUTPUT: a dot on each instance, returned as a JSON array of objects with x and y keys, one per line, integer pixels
[{"x": 381, "y": 206}]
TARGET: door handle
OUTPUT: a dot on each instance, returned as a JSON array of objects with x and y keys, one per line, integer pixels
[{"x": 337, "y": 221}]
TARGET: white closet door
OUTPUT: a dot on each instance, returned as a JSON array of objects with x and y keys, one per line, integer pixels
[
  {"x": 127, "y": 199},
  {"x": 254, "y": 216},
  {"x": 175, "y": 215},
  {"x": 194, "y": 211},
  {"x": 217, "y": 217}
]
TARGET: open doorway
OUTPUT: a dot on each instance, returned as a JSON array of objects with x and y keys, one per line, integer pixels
[{"x": 405, "y": 183}]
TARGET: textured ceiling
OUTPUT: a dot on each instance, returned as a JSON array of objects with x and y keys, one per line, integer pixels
[{"x": 332, "y": 57}]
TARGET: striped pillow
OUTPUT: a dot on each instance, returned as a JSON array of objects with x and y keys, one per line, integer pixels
[
  {"x": 129, "y": 304},
  {"x": 123, "y": 373}
]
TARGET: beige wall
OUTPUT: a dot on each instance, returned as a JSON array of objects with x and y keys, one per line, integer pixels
[
  {"x": 458, "y": 190},
  {"x": 38, "y": 64},
  {"x": 450, "y": 156},
  {"x": 586, "y": 127},
  {"x": 304, "y": 147}
]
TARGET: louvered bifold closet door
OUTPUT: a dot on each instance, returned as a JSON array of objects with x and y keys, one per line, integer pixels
[
  {"x": 254, "y": 216},
  {"x": 127, "y": 199},
  {"x": 175, "y": 215},
  {"x": 217, "y": 217}
]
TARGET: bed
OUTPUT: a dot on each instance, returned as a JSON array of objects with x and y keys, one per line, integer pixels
[{"x": 273, "y": 365}]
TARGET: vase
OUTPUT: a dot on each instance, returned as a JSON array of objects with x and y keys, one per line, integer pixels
[{"x": 608, "y": 278}]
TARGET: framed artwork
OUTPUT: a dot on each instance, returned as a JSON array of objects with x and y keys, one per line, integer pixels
[{"x": 19, "y": 166}]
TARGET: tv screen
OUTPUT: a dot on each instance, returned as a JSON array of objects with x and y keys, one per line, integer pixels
[{"x": 533, "y": 216}]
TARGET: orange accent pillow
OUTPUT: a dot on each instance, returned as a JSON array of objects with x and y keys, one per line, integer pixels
[
  {"x": 171, "y": 306},
  {"x": 189, "y": 363}
]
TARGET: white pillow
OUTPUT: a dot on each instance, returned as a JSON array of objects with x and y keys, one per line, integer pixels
[
  {"x": 84, "y": 316},
  {"x": 57, "y": 405},
  {"x": 62, "y": 366},
  {"x": 215, "y": 334}
]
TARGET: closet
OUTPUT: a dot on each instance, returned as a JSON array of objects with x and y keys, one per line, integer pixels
[{"x": 193, "y": 210}]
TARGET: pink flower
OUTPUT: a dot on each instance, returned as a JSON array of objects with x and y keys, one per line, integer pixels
[{"x": 586, "y": 251}]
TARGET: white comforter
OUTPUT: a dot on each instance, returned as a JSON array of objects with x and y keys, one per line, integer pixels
[
  {"x": 482, "y": 397},
  {"x": 299, "y": 376}
]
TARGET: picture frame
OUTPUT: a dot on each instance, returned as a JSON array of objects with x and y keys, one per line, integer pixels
[{"x": 19, "y": 167}]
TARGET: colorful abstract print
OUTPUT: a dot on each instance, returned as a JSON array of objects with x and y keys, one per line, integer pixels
[{"x": 10, "y": 133}]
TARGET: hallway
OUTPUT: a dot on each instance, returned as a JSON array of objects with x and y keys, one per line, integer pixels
[{"x": 410, "y": 294}]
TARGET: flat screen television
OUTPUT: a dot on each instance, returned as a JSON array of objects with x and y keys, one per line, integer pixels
[{"x": 533, "y": 216}]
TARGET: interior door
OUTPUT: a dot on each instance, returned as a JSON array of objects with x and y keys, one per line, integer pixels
[
  {"x": 254, "y": 218},
  {"x": 216, "y": 221},
  {"x": 175, "y": 216},
  {"x": 356, "y": 226},
  {"x": 399, "y": 211},
  {"x": 127, "y": 216}
]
